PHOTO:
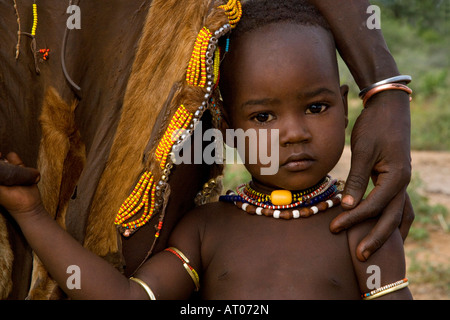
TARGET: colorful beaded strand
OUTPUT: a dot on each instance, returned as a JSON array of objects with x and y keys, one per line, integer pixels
[
  {"x": 247, "y": 198},
  {"x": 290, "y": 214},
  {"x": 262, "y": 197},
  {"x": 179, "y": 122},
  {"x": 143, "y": 195},
  {"x": 196, "y": 71},
  {"x": 233, "y": 9}
]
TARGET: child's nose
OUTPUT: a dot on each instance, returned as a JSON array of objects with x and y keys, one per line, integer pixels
[{"x": 294, "y": 130}]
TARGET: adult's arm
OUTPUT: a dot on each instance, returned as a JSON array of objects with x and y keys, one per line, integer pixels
[{"x": 381, "y": 136}]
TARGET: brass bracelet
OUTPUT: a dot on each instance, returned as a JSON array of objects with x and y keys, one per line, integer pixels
[
  {"x": 147, "y": 289},
  {"x": 189, "y": 269}
]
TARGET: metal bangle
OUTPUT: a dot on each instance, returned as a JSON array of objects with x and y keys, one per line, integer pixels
[
  {"x": 404, "y": 78},
  {"x": 147, "y": 289}
]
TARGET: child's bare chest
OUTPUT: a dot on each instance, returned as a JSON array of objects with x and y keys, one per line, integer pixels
[{"x": 262, "y": 258}]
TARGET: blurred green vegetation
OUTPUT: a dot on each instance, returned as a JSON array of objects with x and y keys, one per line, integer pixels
[{"x": 418, "y": 35}]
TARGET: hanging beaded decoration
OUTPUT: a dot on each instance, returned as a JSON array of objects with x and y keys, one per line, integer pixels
[
  {"x": 196, "y": 72},
  {"x": 143, "y": 193},
  {"x": 325, "y": 195},
  {"x": 202, "y": 71},
  {"x": 35, "y": 20},
  {"x": 233, "y": 10},
  {"x": 180, "y": 121}
]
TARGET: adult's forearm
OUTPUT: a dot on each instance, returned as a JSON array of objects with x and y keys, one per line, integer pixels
[
  {"x": 364, "y": 50},
  {"x": 58, "y": 250}
]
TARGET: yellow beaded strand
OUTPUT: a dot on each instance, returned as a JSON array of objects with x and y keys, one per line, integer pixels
[
  {"x": 233, "y": 9},
  {"x": 35, "y": 20},
  {"x": 143, "y": 195},
  {"x": 216, "y": 65},
  {"x": 180, "y": 121},
  {"x": 196, "y": 71}
]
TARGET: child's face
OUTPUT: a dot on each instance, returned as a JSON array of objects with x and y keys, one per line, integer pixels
[{"x": 285, "y": 77}]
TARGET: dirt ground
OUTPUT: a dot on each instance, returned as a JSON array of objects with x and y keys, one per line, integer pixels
[{"x": 427, "y": 259}]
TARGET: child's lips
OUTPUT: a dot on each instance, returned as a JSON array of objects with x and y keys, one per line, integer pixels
[{"x": 298, "y": 162}]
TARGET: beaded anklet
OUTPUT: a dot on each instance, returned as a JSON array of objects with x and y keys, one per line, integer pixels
[
  {"x": 189, "y": 269},
  {"x": 389, "y": 288}
]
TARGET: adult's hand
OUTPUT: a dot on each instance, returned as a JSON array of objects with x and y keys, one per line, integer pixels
[
  {"x": 13, "y": 172},
  {"x": 380, "y": 146},
  {"x": 19, "y": 194}
]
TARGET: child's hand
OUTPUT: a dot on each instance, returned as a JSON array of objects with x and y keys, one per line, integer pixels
[{"x": 18, "y": 199}]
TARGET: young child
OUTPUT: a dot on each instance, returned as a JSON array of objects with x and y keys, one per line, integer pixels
[{"x": 280, "y": 74}]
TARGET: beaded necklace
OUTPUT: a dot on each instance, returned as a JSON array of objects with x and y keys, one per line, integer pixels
[
  {"x": 263, "y": 199},
  {"x": 311, "y": 201}
]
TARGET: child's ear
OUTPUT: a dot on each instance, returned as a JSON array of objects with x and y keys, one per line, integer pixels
[{"x": 344, "y": 93}]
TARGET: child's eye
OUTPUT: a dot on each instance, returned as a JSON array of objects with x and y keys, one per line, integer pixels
[
  {"x": 263, "y": 117},
  {"x": 316, "y": 108}
]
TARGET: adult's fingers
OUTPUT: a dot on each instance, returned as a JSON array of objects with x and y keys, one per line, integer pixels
[
  {"x": 14, "y": 159},
  {"x": 357, "y": 180},
  {"x": 389, "y": 220},
  {"x": 384, "y": 191},
  {"x": 13, "y": 172}
]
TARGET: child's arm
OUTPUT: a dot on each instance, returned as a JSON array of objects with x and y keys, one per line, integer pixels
[
  {"x": 98, "y": 279},
  {"x": 386, "y": 265}
]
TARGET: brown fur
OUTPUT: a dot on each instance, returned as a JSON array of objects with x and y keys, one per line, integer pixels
[
  {"x": 61, "y": 160},
  {"x": 6, "y": 260}
]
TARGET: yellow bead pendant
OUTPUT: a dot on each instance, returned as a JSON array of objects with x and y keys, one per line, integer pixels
[{"x": 281, "y": 197}]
